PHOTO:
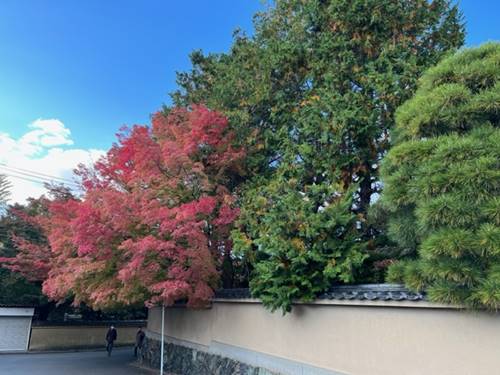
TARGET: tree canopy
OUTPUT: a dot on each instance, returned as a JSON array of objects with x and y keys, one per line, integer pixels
[
  {"x": 5, "y": 187},
  {"x": 442, "y": 181},
  {"x": 153, "y": 223},
  {"x": 312, "y": 96},
  {"x": 16, "y": 226},
  {"x": 273, "y": 148}
]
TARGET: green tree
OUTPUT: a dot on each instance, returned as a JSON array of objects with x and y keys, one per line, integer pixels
[
  {"x": 312, "y": 96},
  {"x": 442, "y": 181},
  {"x": 14, "y": 288},
  {"x": 5, "y": 187}
]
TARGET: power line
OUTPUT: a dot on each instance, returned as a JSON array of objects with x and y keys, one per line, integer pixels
[
  {"x": 41, "y": 182},
  {"x": 4, "y": 165},
  {"x": 42, "y": 175},
  {"x": 33, "y": 176},
  {"x": 34, "y": 180}
]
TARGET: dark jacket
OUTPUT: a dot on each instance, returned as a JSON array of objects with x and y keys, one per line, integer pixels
[
  {"x": 111, "y": 335},
  {"x": 139, "y": 338}
]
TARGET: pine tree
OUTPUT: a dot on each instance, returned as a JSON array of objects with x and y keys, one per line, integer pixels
[{"x": 442, "y": 181}]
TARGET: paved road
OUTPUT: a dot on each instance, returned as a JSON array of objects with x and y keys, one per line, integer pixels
[{"x": 79, "y": 363}]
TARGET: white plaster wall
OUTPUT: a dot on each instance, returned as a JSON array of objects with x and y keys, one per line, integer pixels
[
  {"x": 14, "y": 333},
  {"x": 362, "y": 339},
  {"x": 75, "y": 337}
]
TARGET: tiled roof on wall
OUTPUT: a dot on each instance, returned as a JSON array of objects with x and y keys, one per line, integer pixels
[
  {"x": 373, "y": 292},
  {"x": 363, "y": 292}
]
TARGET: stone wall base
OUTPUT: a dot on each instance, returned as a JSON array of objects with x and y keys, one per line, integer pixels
[{"x": 188, "y": 361}]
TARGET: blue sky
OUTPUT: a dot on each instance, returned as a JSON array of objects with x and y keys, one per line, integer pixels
[
  {"x": 97, "y": 65},
  {"x": 92, "y": 66}
]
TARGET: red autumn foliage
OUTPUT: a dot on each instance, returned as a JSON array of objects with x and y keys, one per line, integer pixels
[
  {"x": 152, "y": 225},
  {"x": 32, "y": 261},
  {"x": 33, "y": 257}
]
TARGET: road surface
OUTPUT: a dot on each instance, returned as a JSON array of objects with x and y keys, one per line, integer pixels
[{"x": 75, "y": 363}]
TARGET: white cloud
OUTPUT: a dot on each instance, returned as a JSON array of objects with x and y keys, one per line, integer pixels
[
  {"x": 44, "y": 150},
  {"x": 47, "y": 133}
]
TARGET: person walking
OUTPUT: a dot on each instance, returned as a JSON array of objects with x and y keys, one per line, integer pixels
[
  {"x": 139, "y": 340},
  {"x": 111, "y": 336}
]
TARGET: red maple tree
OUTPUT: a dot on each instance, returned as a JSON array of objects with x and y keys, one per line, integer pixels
[{"x": 152, "y": 224}]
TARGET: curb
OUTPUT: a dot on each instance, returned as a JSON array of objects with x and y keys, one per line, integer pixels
[{"x": 137, "y": 365}]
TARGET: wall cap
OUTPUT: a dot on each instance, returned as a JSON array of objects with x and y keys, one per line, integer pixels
[
  {"x": 362, "y": 292},
  {"x": 17, "y": 311},
  {"x": 385, "y": 295}
]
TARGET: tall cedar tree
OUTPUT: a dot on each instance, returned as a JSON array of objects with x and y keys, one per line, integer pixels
[
  {"x": 442, "y": 181},
  {"x": 154, "y": 221},
  {"x": 312, "y": 96}
]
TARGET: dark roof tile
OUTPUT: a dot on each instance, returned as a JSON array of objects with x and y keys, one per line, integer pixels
[{"x": 362, "y": 292}]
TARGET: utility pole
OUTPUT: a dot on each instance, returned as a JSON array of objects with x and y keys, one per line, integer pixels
[{"x": 162, "y": 337}]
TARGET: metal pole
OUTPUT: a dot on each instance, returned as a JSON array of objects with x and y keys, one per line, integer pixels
[{"x": 162, "y": 337}]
